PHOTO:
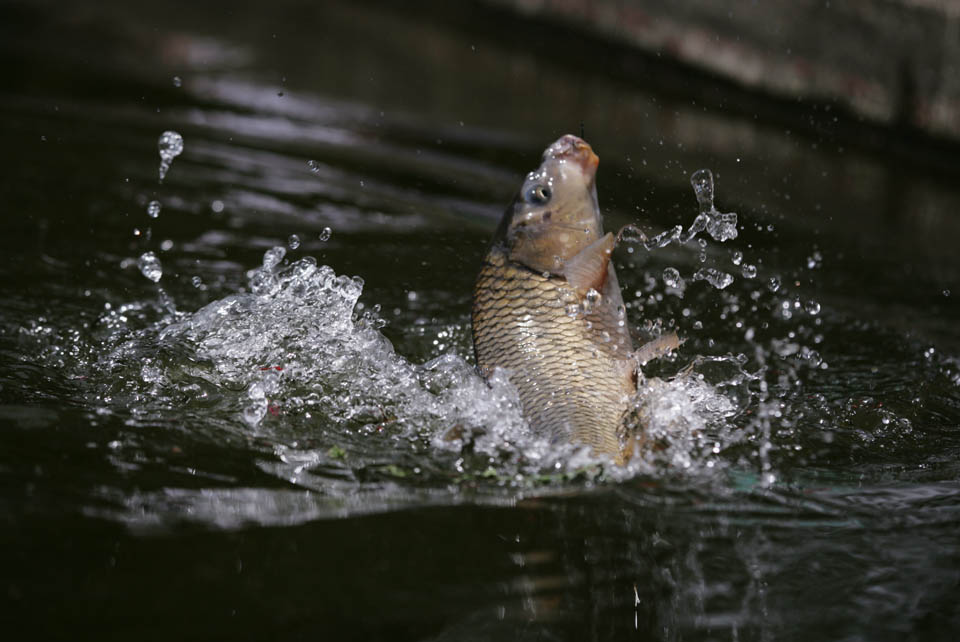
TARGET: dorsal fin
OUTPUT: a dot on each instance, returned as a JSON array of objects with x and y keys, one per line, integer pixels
[{"x": 588, "y": 268}]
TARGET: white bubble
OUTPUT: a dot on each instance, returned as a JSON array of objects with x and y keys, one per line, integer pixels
[
  {"x": 748, "y": 271},
  {"x": 812, "y": 307},
  {"x": 325, "y": 234},
  {"x": 773, "y": 284},
  {"x": 217, "y": 206},
  {"x": 293, "y": 241},
  {"x": 177, "y": 81},
  {"x": 153, "y": 209}
]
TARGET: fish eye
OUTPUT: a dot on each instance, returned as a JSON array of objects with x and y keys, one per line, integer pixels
[{"x": 539, "y": 194}]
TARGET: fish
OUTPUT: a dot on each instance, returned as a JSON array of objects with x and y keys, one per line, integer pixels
[{"x": 548, "y": 310}]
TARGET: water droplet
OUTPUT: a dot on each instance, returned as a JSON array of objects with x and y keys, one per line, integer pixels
[
  {"x": 714, "y": 277},
  {"x": 325, "y": 234},
  {"x": 170, "y": 146},
  {"x": 573, "y": 310},
  {"x": 702, "y": 181},
  {"x": 314, "y": 166},
  {"x": 737, "y": 257},
  {"x": 671, "y": 277},
  {"x": 197, "y": 282},
  {"x": 773, "y": 284},
  {"x": 177, "y": 82},
  {"x": 273, "y": 256},
  {"x": 150, "y": 266},
  {"x": 946, "y": 293},
  {"x": 153, "y": 209},
  {"x": 166, "y": 245},
  {"x": 748, "y": 271},
  {"x": 293, "y": 241},
  {"x": 812, "y": 307},
  {"x": 217, "y": 206},
  {"x": 631, "y": 234}
]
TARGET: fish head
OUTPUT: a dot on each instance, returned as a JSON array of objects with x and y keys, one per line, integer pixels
[{"x": 555, "y": 214}]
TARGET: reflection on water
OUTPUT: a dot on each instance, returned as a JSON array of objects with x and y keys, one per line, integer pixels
[{"x": 279, "y": 430}]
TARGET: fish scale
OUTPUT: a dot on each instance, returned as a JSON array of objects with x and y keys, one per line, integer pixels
[{"x": 572, "y": 372}]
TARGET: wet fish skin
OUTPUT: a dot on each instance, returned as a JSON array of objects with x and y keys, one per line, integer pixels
[{"x": 547, "y": 306}]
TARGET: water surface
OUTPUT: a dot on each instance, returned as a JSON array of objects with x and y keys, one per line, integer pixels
[{"x": 280, "y": 433}]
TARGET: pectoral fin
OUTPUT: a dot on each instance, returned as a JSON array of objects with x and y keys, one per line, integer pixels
[
  {"x": 657, "y": 348},
  {"x": 588, "y": 269}
]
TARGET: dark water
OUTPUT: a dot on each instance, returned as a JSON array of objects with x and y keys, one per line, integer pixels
[{"x": 241, "y": 452}]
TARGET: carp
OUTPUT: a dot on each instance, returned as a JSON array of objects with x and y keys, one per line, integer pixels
[{"x": 547, "y": 308}]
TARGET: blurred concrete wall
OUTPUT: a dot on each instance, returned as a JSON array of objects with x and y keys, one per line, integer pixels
[{"x": 891, "y": 62}]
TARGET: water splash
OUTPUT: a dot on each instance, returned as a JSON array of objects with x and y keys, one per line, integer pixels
[
  {"x": 722, "y": 227},
  {"x": 170, "y": 145},
  {"x": 714, "y": 277},
  {"x": 150, "y": 266}
]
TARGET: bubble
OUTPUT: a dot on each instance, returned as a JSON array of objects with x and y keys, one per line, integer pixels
[
  {"x": 325, "y": 234},
  {"x": 671, "y": 277},
  {"x": 737, "y": 257},
  {"x": 314, "y": 166},
  {"x": 748, "y": 271},
  {"x": 714, "y": 277},
  {"x": 166, "y": 245},
  {"x": 197, "y": 282},
  {"x": 217, "y": 206},
  {"x": 170, "y": 146},
  {"x": 273, "y": 256},
  {"x": 153, "y": 209},
  {"x": 812, "y": 307},
  {"x": 573, "y": 310},
  {"x": 177, "y": 81},
  {"x": 773, "y": 284},
  {"x": 150, "y": 266},
  {"x": 293, "y": 241}
]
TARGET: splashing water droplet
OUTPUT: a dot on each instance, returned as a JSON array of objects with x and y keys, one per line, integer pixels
[
  {"x": 293, "y": 241},
  {"x": 812, "y": 307},
  {"x": 197, "y": 282},
  {"x": 774, "y": 284},
  {"x": 631, "y": 234},
  {"x": 150, "y": 266},
  {"x": 702, "y": 181},
  {"x": 714, "y": 277},
  {"x": 153, "y": 209},
  {"x": 671, "y": 276},
  {"x": 170, "y": 146},
  {"x": 325, "y": 234},
  {"x": 177, "y": 82},
  {"x": 314, "y": 166},
  {"x": 737, "y": 257},
  {"x": 273, "y": 256},
  {"x": 748, "y": 271}
]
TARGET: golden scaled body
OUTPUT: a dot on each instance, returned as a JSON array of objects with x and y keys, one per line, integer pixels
[{"x": 571, "y": 367}]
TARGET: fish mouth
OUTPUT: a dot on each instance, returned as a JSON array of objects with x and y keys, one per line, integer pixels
[{"x": 574, "y": 149}]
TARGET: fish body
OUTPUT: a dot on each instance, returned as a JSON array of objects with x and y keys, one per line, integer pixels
[{"x": 547, "y": 307}]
